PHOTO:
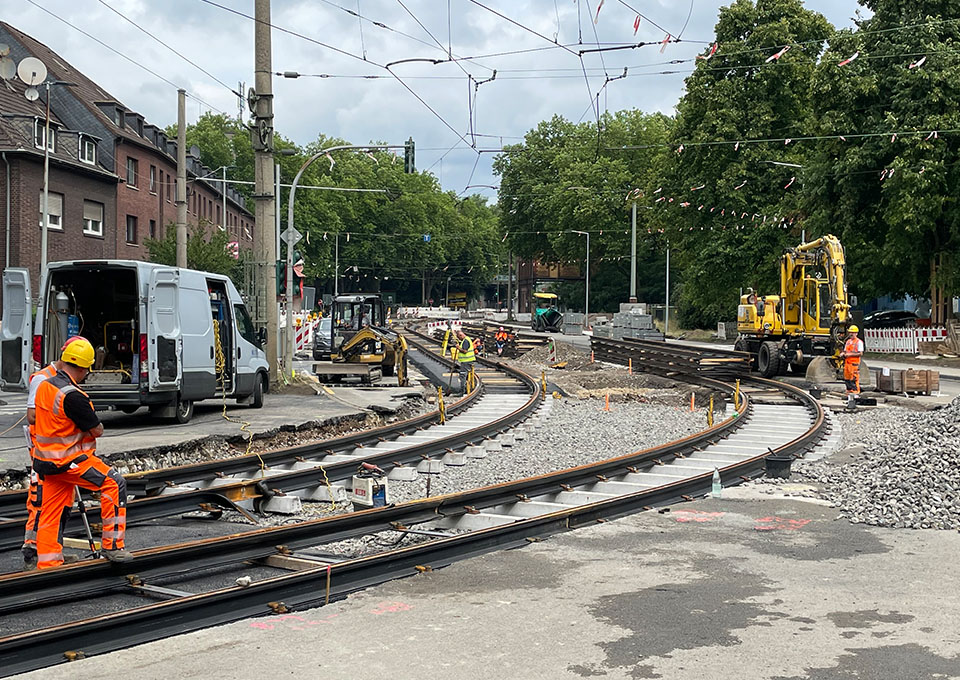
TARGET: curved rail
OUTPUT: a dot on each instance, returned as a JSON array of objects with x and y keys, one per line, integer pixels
[{"x": 313, "y": 587}]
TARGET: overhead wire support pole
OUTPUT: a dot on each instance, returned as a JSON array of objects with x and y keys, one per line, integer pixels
[
  {"x": 261, "y": 104},
  {"x": 181, "y": 234}
]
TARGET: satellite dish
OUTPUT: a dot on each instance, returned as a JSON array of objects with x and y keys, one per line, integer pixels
[
  {"x": 195, "y": 151},
  {"x": 4, "y": 49},
  {"x": 32, "y": 71},
  {"x": 8, "y": 68},
  {"x": 31, "y": 94}
]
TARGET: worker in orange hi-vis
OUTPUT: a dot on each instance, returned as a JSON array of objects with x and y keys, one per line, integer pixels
[
  {"x": 852, "y": 351},
  {"x": 65, "y": 443},
  {"x": 35, "y": 491}
]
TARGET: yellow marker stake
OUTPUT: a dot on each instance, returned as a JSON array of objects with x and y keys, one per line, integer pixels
[
  {"x": 736, "y": 396},
  {"x": 440, "y": 405},
  {"x": 543, "y": 384},
  {"x": 710, "y": 413},
  {"x": 630, "y": 366}
]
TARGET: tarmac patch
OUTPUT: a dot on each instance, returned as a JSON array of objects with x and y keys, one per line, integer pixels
[
  {"x": 661, "y": 620},
  {"x": 903, "y": 662},
  {"x": 866, "y": 618}
]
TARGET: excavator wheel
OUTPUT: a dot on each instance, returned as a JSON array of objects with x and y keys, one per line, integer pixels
[
  {"x": 768, "y": 359},
  {"x": 742, "y": 345}
]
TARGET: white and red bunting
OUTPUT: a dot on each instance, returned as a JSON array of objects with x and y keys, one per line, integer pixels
[{"x": 776, "y": 57}]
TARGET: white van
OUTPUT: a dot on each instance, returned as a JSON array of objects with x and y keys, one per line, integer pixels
[{"x": 161, "y": 334}]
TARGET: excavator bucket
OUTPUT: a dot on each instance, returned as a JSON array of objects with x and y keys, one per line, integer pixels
[{"x": 822, "y": 370}]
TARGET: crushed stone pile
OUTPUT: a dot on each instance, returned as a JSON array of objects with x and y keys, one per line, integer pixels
[{"x": 901, "y": 469}]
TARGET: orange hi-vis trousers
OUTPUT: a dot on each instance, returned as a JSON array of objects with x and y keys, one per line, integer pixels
[
  {"x": 851, "y": 375},
  {"x": 58, "y": 490}
]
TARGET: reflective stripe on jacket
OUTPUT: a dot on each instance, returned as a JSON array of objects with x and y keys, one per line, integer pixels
[
  {"x": 47, "y": 372},
  {"x": 58, "y": 439}
]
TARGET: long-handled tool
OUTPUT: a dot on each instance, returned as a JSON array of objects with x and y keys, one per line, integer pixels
[{"x": 86, "y": 522}]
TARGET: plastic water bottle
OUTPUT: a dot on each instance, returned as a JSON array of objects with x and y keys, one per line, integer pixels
[{"x": 717, "y": 486}]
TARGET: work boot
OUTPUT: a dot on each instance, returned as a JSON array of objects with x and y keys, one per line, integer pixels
[
  {"x": 29, "y": 563},
  {"x": 117, "y": 555},
  {"x": 71, "y": 559}
]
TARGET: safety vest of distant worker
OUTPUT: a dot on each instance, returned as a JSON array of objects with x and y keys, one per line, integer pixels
[
  {"x": 852, "y": 349},
  {"x": 463, "y": 351}
]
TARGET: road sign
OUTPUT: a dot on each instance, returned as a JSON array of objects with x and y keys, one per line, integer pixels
[{"x": 291, "y": 236}]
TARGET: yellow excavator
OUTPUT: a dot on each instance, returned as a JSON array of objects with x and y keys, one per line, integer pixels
[
  {"x": 360, "y": 335},
  {"x": 803, "y": 327}
]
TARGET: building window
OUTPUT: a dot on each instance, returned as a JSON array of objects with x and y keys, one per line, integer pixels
[
  {"x": 92, "y": 218},
  {"x": 54, "y": 210},
  {"x": 169, "y": 182},
  {"x": 153, "y": 179},
  {"x": 88, "y": 150},
  {"x": 153, "y": 229},
  {"x": 131, "y": 229},
  {"x": 39, "y": 132},
  {"x": 220, "y": 219},
  {"x": 132, "y": 171}
]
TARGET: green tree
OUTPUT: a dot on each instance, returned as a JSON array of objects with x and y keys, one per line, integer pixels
[
  {"x": 205, "y": 253},
  {"x": 735, "y": 239},
  {"x": 901, "y": 231},
  {"x": 565, "y": 177}
]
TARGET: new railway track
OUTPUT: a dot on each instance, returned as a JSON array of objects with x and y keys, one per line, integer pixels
[
  {"x": 769, "y": 418},
  {"x": 315, "y": 471}
]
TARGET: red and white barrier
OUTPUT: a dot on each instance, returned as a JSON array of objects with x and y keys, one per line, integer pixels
[
  {"x": 442, "y": 325},
  {"x": 900, "y": 340}
]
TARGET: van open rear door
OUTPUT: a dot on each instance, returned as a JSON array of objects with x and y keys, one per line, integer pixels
[
  {"x": 164, "y": 337},
  {"x": 16, "y": 332}
]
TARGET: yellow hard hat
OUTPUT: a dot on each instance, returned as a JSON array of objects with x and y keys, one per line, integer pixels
[
  {"x": 79, "y": 352},
  {"x": 853, "y": 329}
]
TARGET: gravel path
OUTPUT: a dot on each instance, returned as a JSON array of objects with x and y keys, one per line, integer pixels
[{"x": 896, "y": 468}]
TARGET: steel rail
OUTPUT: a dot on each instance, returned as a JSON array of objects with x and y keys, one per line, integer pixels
[
  {"x": 96, "y": 577},
  {"x": 36, "y": 649},
  {"x": 155, "y": 507}
]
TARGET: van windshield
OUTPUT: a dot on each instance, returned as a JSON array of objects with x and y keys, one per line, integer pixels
[{"x": 245, "y": 325}]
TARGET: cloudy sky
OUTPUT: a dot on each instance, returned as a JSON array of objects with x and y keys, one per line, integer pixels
[{"x": 535, "y": 82}]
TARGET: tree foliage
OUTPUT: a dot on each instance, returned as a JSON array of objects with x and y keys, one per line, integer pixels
[
  {"x": 568, "y": 177},
  {"x": 206, "y": 250},
  {"x": 902, "y": 232}
]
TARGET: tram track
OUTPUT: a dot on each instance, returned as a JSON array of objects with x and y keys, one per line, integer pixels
[
  {"x": 315, "y": 471},
  {"x": 458, "y": 525}
]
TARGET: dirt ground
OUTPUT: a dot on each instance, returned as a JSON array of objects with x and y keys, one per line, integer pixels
[{"x": 578, "y": 377}]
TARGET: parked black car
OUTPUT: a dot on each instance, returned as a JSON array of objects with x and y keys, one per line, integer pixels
[
  {"x": 890, "y": 318},
  {"x": 321, "y": 340}
]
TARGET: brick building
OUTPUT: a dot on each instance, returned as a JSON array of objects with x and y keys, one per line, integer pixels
[{"x": 112, "y": 174}]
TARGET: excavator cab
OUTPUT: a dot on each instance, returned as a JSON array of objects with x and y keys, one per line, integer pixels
[{"x": 359, "y": 335}]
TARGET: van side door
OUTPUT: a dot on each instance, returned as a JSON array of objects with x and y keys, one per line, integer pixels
[
  {"x": 16, "y": 331},
  {"x": 164, "y": 337}
]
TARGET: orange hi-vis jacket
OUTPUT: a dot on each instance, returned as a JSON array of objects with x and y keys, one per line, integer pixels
[
  {"x": 850, "y": 346},
  {"x": 58, "y": 439},
  {"x": 48, "y": 372}
]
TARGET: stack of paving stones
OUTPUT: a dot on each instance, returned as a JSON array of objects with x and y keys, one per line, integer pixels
[
  {"x": 631, "y": 322},
  {"x": 900, "y": 469}
]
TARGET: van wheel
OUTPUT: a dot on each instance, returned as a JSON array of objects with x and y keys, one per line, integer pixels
[
  {"x": 184, "y": 411},
  {"x": 258, "y": 390},
  {"x": 129, "y": 409}
]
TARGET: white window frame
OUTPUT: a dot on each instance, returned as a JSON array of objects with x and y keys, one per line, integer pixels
[
  {"x": 88, "y": 229},
  {"x": 153, "y": 179},
  {"x": 39, "y": 132},
  {"x": 58, "y": 225},
  {"x": 136, "y": 172},
  {"x": 84, "y": 141}
]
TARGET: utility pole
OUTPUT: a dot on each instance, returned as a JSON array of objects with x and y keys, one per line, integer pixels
[
  {"x": 261, "y": 102},
  {"x": 182, "y": 178},
  {"x": 509, "y": 286},
  {"x": 633, "y": 255},
  {"x": 666, "y": 309}
]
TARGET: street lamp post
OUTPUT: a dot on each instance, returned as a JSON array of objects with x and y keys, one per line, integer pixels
[
  {"x": 586, "y": 301},
  {"x": 633, "y": 255}
]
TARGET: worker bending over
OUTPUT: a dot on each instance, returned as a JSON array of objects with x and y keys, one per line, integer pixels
[
  {"x": 35, "y": 491},
  {"x": 462, "y": 352},
  {"x": 852, "y": 351},
  {"x": 64, "y": 457}
]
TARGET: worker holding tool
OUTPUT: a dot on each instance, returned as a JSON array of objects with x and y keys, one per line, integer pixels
[
  {"x": 66, "y": 431},
  {"x": 852, "y": 351},
  {"x": 34, "y": 491},
  {"x": 462, "y": 352}
]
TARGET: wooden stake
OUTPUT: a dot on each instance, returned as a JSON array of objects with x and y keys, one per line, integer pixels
[{"x": 630, "y": 366}]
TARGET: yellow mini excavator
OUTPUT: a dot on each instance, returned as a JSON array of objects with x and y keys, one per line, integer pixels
[
  {"x": 805, "y": 325},
  {"x": 360, "y": 335}
]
